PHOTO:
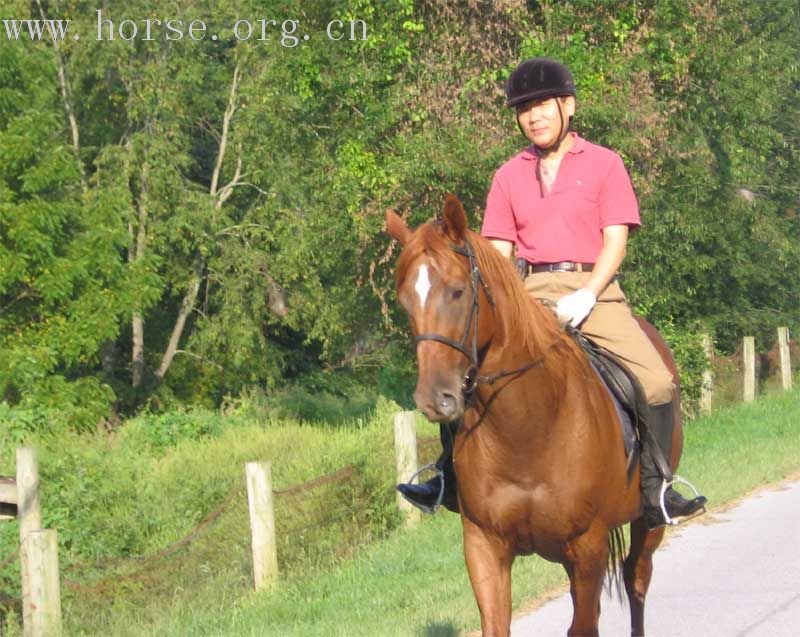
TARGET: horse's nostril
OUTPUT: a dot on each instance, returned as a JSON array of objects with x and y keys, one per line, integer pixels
[
  {"x": 446, "y": 403},
  {"x": 437, "y": 405}
]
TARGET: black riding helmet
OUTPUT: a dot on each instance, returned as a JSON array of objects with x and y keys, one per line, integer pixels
[{"x": 540, "y": 78}]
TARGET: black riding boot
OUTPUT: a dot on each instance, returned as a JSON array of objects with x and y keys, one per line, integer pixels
[
  {"x": 661, "y": 425},
  {"x": 425, "y": 495}
]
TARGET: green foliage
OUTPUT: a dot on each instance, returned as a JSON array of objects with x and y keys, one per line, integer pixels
[
  {"x": 295, "y": 314},
  {"x": 398, "y": 375},
  {"x": 120, "y": 497},
  {"x": 307, "y": 401},
  {"x": 168, "y": 429},
  {"x": 691, "y": 359},
  {"x": 56, "y": 405},
  {"x": 17, "y": 424},
  {"x": 279, "y": 229}
]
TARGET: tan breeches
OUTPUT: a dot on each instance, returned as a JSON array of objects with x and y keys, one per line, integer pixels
[{"x": 611, "y": 325}]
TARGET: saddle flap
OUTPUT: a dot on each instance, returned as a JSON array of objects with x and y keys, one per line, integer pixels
[{"x": 626, "y": 391}]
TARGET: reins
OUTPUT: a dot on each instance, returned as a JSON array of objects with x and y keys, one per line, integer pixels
[{"x": 492, "y": 378}]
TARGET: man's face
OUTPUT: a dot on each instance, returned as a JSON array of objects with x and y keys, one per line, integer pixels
[{"x": 540, "y": 120}]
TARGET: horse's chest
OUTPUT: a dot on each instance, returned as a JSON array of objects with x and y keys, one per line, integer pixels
[{"x": 532, "y": 520}]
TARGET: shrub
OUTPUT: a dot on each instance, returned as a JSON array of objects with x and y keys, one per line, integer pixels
[{"x": 688, "y": 349}]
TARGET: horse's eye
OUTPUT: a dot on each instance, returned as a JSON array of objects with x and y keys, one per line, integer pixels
[{"x": 457, "y": 294}]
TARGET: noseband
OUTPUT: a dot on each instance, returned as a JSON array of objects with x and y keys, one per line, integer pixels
[{"x": 473, "y": 355}]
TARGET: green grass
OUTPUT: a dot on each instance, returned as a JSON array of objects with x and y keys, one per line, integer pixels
[
  {"x": 138, "y": 490},
  {"x": 415, "y": 583},
  {"x": 116, "y": 498}
]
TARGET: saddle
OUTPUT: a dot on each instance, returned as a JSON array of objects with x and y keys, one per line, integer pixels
[{"x": 624, "y": 388}]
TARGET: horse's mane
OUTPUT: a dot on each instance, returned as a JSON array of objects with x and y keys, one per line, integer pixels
[{"x": 525, "y": 322}]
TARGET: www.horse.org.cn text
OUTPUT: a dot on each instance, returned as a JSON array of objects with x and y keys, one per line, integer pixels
[{"x": 287, "y": 33}]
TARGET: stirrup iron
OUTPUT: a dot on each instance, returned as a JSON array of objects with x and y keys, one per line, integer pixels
[
  {"x": 430, "y": 510},
  {"x": 666, "y": 484}
]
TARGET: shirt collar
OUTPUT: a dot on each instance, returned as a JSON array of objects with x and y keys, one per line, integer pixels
[{"x": 578, "y": 146}]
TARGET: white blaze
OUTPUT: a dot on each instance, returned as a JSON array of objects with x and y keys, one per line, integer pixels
[{"x": 423, "y": 284}]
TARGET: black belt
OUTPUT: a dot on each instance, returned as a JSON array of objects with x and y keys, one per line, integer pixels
[{"x": 561, "y": 266}]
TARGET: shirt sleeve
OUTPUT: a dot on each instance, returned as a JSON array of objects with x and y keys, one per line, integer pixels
[
  {"x": 498, "y": 219},
  {"x": 618, "y": 204}
]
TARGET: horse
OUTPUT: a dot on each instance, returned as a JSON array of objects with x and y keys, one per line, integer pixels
[{"x": 538, "y": 453}]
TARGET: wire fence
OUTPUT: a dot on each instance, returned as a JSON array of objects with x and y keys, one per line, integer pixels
[
  {"x": 142, "y": 565},
  {"x": 8, "y": 559},
  {"x": 727, "y": 371},
  {"x": 318, "y": 523}
]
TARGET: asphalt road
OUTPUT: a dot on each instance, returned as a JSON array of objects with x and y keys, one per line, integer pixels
[{"x": 730, "y": 574}]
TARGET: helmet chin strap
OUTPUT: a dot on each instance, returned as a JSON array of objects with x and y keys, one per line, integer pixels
[{"x": 563, "y": 132}]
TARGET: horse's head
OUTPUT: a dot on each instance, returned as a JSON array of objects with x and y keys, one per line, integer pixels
[{"x": 449, "y": 307}]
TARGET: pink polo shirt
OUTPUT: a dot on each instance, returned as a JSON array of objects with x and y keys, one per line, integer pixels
[{"x": 592, "y": 190}]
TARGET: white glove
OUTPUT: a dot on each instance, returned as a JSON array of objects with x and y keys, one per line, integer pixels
[{"x": 575, "y": 307}]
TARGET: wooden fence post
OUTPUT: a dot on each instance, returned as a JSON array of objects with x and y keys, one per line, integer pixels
[
  {"x": 707, "y": 387},
  {"x": 786, "y": 364},
  {"x": 749, "y": 354},
  {"x": 405, "y": 449},
  {"x": 262, "y": 523},
  {"x": 39, "y": 554},
  {"x": 30, "y": 519}
]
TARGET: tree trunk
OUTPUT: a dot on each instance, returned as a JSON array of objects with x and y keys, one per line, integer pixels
[
  {"x": 137, "y": 346},
  {"x": 186, "y": 307},
  {"x": 137, "y": 358},
  {"x": 66, "y": 96},
  {"x": 219, "y": 195}
]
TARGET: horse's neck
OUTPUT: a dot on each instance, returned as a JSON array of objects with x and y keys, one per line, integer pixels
[
  {"x": 522, "y": 406},
  {"x": 539, "y": 387}
]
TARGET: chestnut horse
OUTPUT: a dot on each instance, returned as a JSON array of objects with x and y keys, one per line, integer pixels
[{"x": 539, "y": 455}]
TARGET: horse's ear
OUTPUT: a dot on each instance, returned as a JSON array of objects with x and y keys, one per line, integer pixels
[
  {"x": 455, "y": 219},
  {"x": 396, "y": 227}
]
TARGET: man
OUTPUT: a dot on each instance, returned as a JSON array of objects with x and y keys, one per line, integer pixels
[{"x": 567, "y": 206}]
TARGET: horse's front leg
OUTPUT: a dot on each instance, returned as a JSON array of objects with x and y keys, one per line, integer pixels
[{"x": 489, "y": 564}]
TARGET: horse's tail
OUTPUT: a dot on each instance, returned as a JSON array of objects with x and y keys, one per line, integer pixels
[{"x": 616, "y": 557}]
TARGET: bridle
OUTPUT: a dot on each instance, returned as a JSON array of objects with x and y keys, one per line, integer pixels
[
  {"x": 473, "y": 354},
  {"x": 476, "y": 354}
]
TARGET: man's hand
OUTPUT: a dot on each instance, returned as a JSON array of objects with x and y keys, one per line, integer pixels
[{"x": 575, "y": 307}]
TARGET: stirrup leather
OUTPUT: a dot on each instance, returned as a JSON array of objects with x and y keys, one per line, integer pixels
[
  {"x": 666, "y": 484},
  {"x": 431, "y": 510}
]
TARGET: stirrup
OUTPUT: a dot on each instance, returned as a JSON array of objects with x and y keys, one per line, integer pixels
[
  {"x": 666, "y": 484},
  {"x": 430, "y": 510}
]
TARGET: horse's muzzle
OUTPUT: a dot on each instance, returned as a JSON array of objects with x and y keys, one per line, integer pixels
[{"x": 439, "y": 405}]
